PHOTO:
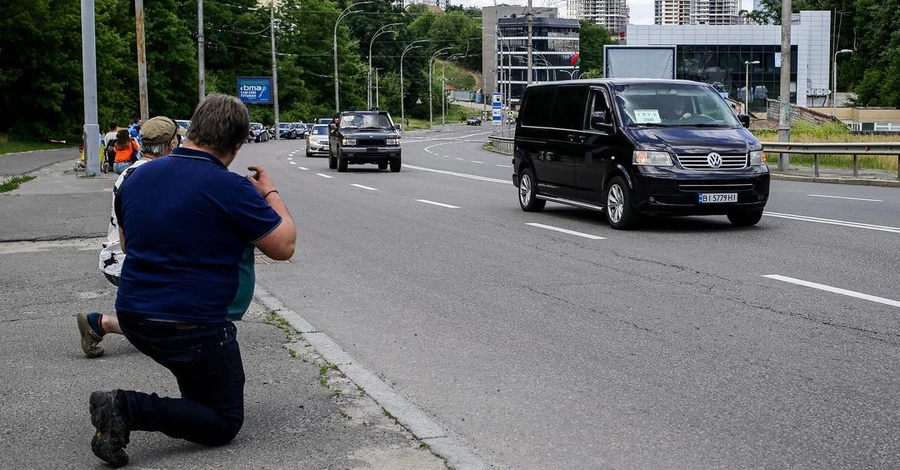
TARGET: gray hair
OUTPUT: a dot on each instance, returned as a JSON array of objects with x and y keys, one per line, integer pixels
[
  {"x": 220, "y": 122},
  {"x": 155, "y": 149}
]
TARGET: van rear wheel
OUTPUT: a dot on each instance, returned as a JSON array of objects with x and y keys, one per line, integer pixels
[
  {"x": 619, "y": 213},
  {"x": 528, "y": 192}
]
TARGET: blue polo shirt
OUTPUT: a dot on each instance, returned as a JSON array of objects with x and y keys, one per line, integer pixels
[{"x": 189, "y": 225}]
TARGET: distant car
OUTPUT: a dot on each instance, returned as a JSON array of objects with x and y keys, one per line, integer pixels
[
  {"x": 473, "y": 121},
  {"x": 286, "y": 131},
  {"x": 317, "y": 141},
  {"x": 323, "y": 121},
  {"x": 364, "y": 137},
  {"x": 258, "y": 132},
  {"x": 301, "y": 130}
]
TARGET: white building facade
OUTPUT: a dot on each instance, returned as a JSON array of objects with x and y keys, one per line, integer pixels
[
  {"x": 611, "y": 14},
  {"x": 718, "y": 55},
  {"x": 685, "y": 12}
]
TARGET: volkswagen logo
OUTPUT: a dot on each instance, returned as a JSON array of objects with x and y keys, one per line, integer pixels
[{"x": 714, "y": 160}]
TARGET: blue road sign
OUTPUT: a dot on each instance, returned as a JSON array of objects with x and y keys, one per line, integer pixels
[
  {"x": 254, "y": 89},
  {"x": 497, "y": 109}
]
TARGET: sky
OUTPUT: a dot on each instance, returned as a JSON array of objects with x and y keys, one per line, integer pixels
[{"x": 641, "y": 10}]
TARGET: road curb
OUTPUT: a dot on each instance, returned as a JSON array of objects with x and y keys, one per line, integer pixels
[{"x": 455, "y": 453}]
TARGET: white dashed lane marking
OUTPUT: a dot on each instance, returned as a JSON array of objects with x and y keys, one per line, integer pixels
[
  {"x": 302, "y": 168},
  {"x": 567, "y": 231},
  {"x": 476, "y": 161},
  {"x": 440, "y": 204},
  {"x": 323, "y": 175},
  {"x": 836, "y": 290},
  {"x": 364, "y": 187}
]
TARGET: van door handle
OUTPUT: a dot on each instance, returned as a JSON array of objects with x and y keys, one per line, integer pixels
[{"x": 576, "y": 138}]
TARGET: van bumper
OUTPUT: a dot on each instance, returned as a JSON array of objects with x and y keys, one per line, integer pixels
[{"x": 674, "y": 191}]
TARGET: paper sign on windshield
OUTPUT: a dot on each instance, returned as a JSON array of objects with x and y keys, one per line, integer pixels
[{"x": 646, "y": 116}]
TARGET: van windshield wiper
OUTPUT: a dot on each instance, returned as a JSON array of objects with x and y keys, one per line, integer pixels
[
  {"x": 709, "y": 124},
  {"x": 650, "y": 124}
]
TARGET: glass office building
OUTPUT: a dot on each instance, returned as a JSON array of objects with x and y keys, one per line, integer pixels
[
  {"x": 555, "y": 41},
  {"x": 718, "y": 54}
]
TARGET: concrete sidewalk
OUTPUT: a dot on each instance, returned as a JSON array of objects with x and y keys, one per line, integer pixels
[{"x": 300, "y": 412}]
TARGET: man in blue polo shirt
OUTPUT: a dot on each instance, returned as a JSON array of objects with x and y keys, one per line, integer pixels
[{"x": 189, "y": 228}]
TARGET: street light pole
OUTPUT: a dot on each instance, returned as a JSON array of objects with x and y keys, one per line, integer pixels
[
  {"x": 444, "y": 88},
  {"x": 337, "y": 89},
  {"x": 381, "y": 30},
  {"x": 274, "y": 68},
  {"x": 406, "y": 49},
  {"x": 201, "y": 47},
  {"x": 747, "y": 65},
  {"x": 430, "y": 80},
  {"x": 834, "y": 80}
]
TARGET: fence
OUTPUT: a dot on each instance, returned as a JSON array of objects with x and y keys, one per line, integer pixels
[{"x": 798, "y": 113}]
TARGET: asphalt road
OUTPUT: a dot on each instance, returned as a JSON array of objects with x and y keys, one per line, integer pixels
[{"x": 665, "y": 347}]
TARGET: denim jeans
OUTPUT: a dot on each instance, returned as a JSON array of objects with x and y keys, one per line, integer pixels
[
  {"x": 120, "y": 167},
  {"x": 206, "y": 362}
]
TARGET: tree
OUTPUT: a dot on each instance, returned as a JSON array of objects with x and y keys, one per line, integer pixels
[{"x": 592, "y": 39}]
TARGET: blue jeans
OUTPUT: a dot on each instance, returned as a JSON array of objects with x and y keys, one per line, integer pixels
[
  {"x": 120, "y": 167},
  {"x": 206, "y": 362}
]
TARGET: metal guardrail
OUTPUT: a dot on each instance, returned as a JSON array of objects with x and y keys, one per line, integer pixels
[
  {"x": 502, "y": 143},
  {"x": 843, "y": 148}
]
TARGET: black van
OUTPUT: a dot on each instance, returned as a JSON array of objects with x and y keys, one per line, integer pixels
[{"x": 633, "y": 146}]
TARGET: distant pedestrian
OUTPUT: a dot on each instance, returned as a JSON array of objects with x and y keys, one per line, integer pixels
[
  {"x": 127, "y": 151},
  {"x": 189, "y": 228},
  {"x": 160, "y": 138},
  {"x": 111, "y": 133}
]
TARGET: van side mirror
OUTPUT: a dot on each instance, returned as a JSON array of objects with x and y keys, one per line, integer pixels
[
  {"x": 397, "y": 127},
  {"x": 745, "y": 119},
  {"x": 600, "y": 121}
]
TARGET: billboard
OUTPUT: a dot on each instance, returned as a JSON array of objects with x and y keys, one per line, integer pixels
[
  {"x": 639, "y": 62},
  {"x": 254, "y": 90}
]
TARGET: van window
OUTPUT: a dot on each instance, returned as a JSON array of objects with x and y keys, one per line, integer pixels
[
  {"x": 598, "y": 103},
  {"x": 534, "y": 110},
  {"x": 568, "y": 108},
  {"x": 673, "y": 105}
]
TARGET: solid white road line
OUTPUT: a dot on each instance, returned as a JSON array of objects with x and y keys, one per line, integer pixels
[
  {"x": 843, "y": 223},
  {"x": 364, "y": 187},
  {"x": 302, "y": 168},
  {"x": 845, "y": 197},
  {"x": 448, "y": 206},
  {"x": 836, "y": 290},
  {"x": 323, "y": 175},
  {"x": 570, "y": 232},
  {"x": 461, "y": 175}
]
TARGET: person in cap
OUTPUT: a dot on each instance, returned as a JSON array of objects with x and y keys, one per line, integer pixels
[
  {"x": 160, "y": 137},
  {"x": 190, "y": 228}
]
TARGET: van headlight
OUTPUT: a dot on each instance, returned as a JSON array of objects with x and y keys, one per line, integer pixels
[
  {"x": 393, "y": 141},
  {"x": 349, "y": 142},
  {"x": 644, "y": 157},
  {"x": 757, "y": 157}
]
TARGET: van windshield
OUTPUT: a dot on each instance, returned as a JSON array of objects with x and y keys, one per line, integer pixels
[{"x": 673, "y": 105}]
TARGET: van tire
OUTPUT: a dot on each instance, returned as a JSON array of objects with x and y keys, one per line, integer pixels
[
  {"x": 528, "y": 192},
  {"x": 341, "y": 164},
  {"x": 745, "y": 218},
  {"x": 395, "y": 165},
  {"x": 617, "y": 206}
]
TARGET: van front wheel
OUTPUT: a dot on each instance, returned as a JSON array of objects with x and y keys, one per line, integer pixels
[
  {"x": 619, "y": 213},
  {"x": 528, "y": 192},
  {"x": 745, "y": 218}
]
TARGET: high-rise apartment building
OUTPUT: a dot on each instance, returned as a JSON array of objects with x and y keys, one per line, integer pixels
[
  {"x": 611, "y": 14},
  {"x": 683, "y": 12}
]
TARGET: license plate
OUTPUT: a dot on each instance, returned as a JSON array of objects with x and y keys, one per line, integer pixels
[
  {"x": 372, "y": 149},
  {"x": 717, "y": 198}
]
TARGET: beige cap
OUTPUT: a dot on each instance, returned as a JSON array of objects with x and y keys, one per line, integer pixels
[{"x": 159, "y": 130}]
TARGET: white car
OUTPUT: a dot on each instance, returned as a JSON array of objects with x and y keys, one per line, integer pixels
[{"x": 317, "y": 141}]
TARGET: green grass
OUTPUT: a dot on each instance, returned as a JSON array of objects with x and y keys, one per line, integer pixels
[
  {"x": 13, "y": 183},
  {"x": 12, "y": 146},
  {"x": 803, "y": 131}
]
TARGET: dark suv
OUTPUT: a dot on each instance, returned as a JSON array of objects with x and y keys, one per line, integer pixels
[
  {"x": 364, "y": 137},
  {"x": 632, "y": 147}
]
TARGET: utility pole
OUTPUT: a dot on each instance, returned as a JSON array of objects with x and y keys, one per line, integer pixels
[
  {"x": 142, "y": 59},
  {"x": 376, "y": 90},
  {"x": 784, "y": 117},
  {"x": 89, "y": 76},
  {"x": 274, "y": 68},
  {"x": 201, "y": 47},
  {"x": 529, "y": 17}
]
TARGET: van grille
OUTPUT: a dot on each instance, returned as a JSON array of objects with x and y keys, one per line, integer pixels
[
  {"x": 701, "y": 162},
  {"x": 370, "y": 142}
]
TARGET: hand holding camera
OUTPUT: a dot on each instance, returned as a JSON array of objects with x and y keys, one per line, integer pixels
[{"x": 261, "y": 181}]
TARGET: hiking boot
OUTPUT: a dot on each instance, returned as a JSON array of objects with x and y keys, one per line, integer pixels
[
  {"x": 112, "y": 434},
  {"x": 90, "y": 340}
]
